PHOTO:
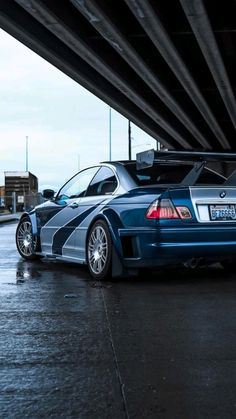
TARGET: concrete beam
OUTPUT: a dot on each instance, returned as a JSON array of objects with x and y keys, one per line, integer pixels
[
  {"x": 102, "y": 22},
  {"x": 152, "y": 24},
  {"x": 197, "y": 16}
]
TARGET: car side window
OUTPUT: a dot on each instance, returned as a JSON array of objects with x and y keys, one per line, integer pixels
[
  {"x": 103, "y": 183},
  {"x": 76, "y": 187}
]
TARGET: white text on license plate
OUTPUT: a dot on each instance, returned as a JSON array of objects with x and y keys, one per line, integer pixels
[{"x": 222, "y": 212}]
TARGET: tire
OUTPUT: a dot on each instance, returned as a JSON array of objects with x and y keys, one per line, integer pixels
[
  {"x": 99, "y": 250},
  {"x": 26, "y": 243}
]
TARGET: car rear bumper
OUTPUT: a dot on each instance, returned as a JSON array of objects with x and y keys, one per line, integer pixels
[{"x": 161, "y": 246}]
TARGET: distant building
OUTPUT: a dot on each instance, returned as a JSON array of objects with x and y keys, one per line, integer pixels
[
  {"x": 2, "y": 196},
  {"x": 25, "y": 187}
]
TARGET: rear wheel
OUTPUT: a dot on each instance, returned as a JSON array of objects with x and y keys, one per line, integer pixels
[
  {"x": 99, "y": 250},
  {"x": 27, "y": 244}
]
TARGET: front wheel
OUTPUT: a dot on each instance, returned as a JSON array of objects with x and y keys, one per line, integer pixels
[
  {"x": 99, "y": 250},
  {"x": 26, "y": 242}
]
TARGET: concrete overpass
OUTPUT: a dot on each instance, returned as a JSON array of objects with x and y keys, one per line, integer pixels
[{"x": 168, "y": 66}]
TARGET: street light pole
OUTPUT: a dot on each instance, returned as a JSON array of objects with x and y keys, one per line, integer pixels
[{"x": 26, "y": 154}]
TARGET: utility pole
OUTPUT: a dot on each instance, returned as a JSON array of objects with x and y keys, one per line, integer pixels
[
  {"x": 110, "y": 133},
  {"x": 26, "y": 154},
  {"x": 129, "y": 141}
]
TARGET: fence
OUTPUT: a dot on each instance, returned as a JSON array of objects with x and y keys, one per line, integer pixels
[{"x": 19, "y": 203}]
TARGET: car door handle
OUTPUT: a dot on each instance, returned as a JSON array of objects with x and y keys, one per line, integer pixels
[{"x": 73, "y": 205}]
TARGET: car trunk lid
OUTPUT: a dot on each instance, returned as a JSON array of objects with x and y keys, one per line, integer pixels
[
  {"x": 208, "y": 204},
  {"x": 214, "y": 204}
]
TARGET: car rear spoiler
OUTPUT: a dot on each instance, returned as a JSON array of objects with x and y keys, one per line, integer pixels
[{"x": 146, "y": 158}]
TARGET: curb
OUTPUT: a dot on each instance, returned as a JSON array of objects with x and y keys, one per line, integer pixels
[{"x": 9, "y": 218}]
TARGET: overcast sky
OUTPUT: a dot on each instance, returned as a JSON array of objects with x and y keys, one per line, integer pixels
[{"x": 67, "y": 127}]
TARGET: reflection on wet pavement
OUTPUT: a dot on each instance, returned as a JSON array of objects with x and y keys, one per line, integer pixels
[{"x": 70, "y": 347}]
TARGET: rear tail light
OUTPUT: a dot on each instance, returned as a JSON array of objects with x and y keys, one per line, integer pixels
[
  {"x": 164, "y": 209},
  {"x": 184, "y": 213}
]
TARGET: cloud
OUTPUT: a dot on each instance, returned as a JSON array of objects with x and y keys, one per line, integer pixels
[{"x": 67, "y": 127}]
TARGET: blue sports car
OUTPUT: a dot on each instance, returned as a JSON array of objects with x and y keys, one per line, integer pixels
[{"x": 118, "y": 217}]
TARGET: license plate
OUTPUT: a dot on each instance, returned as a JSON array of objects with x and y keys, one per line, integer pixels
[{"x": 222, "y": 212}]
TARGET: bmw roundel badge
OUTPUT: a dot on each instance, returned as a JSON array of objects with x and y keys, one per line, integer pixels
[{"x": 222, "y": 194}]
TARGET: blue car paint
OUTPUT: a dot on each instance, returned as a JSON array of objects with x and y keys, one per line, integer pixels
[{"x": 154, "y": 242}]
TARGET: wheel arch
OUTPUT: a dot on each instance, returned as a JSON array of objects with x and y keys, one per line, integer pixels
[
  {"x": 33, "y": 220},
  {"x": 114, "y": 223}
]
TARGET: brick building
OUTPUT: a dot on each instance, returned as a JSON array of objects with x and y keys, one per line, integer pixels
[
  {"x": 25, "y": 187},
  {"x": 2, "y": 196}
]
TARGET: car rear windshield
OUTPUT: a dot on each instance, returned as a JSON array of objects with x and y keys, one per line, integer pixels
[{"x": 170, "y": 173}]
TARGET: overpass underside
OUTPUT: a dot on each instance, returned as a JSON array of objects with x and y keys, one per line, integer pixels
[{"x": 168, "y": 66}]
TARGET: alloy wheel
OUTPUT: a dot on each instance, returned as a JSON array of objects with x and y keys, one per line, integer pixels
[
  {"x": 26, "y": 243},
  {"x": 98, "y": 249}
]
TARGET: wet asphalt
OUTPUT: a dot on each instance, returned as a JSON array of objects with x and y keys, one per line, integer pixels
[{"x": 158, "y": 346}]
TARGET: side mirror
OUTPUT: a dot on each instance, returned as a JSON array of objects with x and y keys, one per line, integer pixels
[{"x": 48, "y": 193}]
